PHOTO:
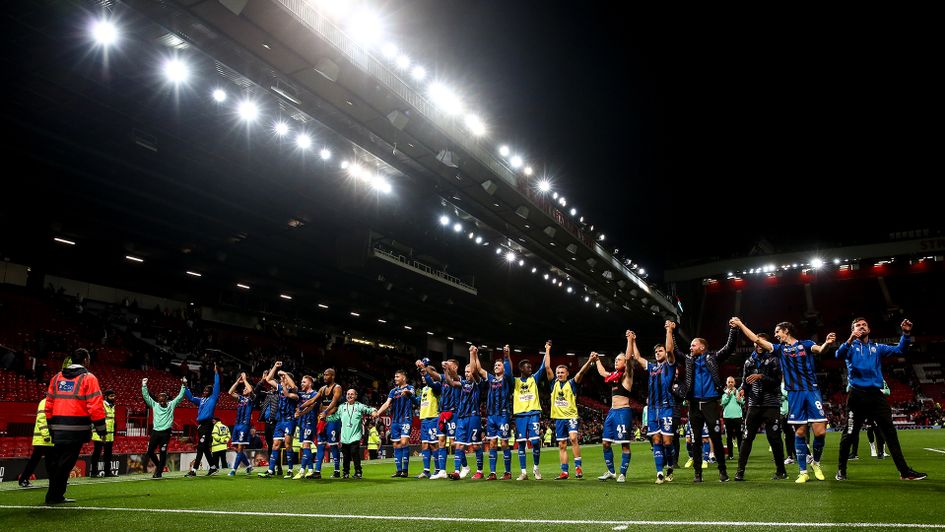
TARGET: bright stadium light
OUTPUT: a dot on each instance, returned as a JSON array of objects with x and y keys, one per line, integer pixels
[
  {"x": 418, "y": 73},
  {"x": 521, "y": 262},
  {"x": 176, "y": 71},
  {"x": 601, "y": 237},
  {"x": 569, "y": 290},
  {"x": 281, "y": 128},
  {"x": 248, "y": 110},
  {"x": 344, "y": 165},
  {"x": 544, "y": 185},
  {"x": 444, "y": 220},
  {"x": 529, "y": 171},
  {"x": 817, "y": 262},
  {"x": 504, "y": 150},
  {"x": 642, "y": 271},
  {"x": 402, "y": 62},
  {"x": 474, "y": 125},
  {"x": 836, "y": 261},
  {"x": 563, "y": 202},
  {"x": 303, "y": 141},
  {"x": 325, "y": 154},
  {"x": 573, "y": 211},
  {"x": 472, "y": 235},
  {"x": 458, "y": 227},
  {"x": 554, "y": 195},
  {"x": 322, "y": 306},
  {"x": 219, "y": 95},
  {"x": 479, "y": 240},
  {"x": 587, "y": 299},
  {"x": 194, "y": 274},
  {"x": 104, "y": 32},
  {"x": 132, "y": 258},
  {"x": 285, "y": 296},
  {"x": 516, "y": 162},
  {"x": 444, "y": 98},
  {"x": 243, "y": 286},
  {"x": 381, "y": 184},
  {"x": 389, "y": 50},
  {"x": 498, "y": 250},
  {"x": 510, "y": 256},
  {"x": 534, "y": 269},
  {"x": 64, "y": 241},
  {"x": 365, "y": 27}
]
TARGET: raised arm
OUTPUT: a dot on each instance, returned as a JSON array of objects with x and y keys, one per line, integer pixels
[
  {"x": 587, "y": 365},
  {"x": 670, "y": 341},
  {"x": 144, "y": 393},
  {"x": 633, "y": 353},
  {"x": 900, "y": 349},
  {"x": 507, "y": 360},
  {"x": 600, "y": 365},
  {"x": 270, "y": 377},
  {"x": 545, "y": 364},
  {"x": 730, "y": 343},
  {"x": 232, "y": 391},
  {"x": 183, "y": 387},
  {"x": 752, "y": 337},
  {"x": 546, "y": 361},
  {"x": 474, "y": 362},
  {"x": 828, "y": 342}
]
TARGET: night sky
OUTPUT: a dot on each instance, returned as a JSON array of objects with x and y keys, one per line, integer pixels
[{"x": 710, "y": 129}]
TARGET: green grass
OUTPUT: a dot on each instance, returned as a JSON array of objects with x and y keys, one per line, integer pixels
[{"x": 874, "y": 494}]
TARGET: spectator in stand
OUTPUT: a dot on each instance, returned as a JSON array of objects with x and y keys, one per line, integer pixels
[
  {"x": 73, "y": 406},
  {"x": 163, "y": 411},
  {"x": 42, "y": 441},
  {"x": 107, "y": 442}
]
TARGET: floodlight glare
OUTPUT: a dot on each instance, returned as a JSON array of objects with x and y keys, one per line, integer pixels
[
  {"x": 104, "y": 32},
  {"x": 281, "y": 128},
  {"x": 303, "y": 141},
  {"x": 176, "y": 71},
  {"x": 219, "y": 95}
]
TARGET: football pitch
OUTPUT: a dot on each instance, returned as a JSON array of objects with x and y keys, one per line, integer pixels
[{"x": 872, "y": 498}]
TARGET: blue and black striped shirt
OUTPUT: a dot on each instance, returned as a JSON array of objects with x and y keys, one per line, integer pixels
[{"x": 797, "y": 364}]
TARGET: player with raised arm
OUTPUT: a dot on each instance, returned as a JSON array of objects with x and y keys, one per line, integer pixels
[
  {"x": 429, "y": 418},
  {"x": 527, "y": 410},
  {"x": 469, "y": 420},
  {"x": 800, "y": 379},
  {"x": 498, "y": 412},
  {"x": 446, "y": 427},
  {"x": 328, "y": 424},
  {"x": 619, "y": 418},
  {"x": 244, "y": 420},
  {"x": 285, "y": 418},
  {"x": 306, "y": 426},
  {"x": 564, "y": 412},
  {"x": 660, "y": 401},
  {"x": 400, "y": 402}
]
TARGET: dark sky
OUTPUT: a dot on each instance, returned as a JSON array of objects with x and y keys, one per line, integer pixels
[{"x": 694, "y": 134}]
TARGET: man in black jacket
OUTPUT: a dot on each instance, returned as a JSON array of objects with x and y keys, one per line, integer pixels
[
  {"x": 703, "y": 390},
  {"x": 267, "y": 403},
  {"x": 761, "y": 385}
]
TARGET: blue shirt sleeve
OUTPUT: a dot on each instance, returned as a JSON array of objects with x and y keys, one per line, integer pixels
[
  {"x": 574, "y": 386},
  {"x": 508, "y": 368},
  {"x": 392, "y": 394},
  {"x": 540, "y": 374},
  {"x": 886, "y": 350},
  {"x": 843, "y": 351},
  {"x": 808, "y": 345},
  {"x": 190, "y": 397}
]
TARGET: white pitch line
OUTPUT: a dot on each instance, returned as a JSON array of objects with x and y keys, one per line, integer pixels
[
  {"x": 934, "y": 450},
  {"x": 472, "y": 520}
]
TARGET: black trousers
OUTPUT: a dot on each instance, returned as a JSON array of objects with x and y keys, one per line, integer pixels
[
  {"x": 373, "y": 454},
  {"x": 270, "y": 432},
  {"x": 159, "y": 440},
  {"x": 349, "y": 451},
  {"x": 770, "y": 417},
  {"x": 204, "y": 441},
  {"x": 39, "y": 451},
  {"x": 219, "y": 459},
  {"x": 733, "y": 429},
  {"x": 98, "y": 446},
  {"x": 60, "y": 460},
  {"x": 706, "y": 414},
  {"x": 676, "y": 422},
  {"x": 871, "y": 404}
]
